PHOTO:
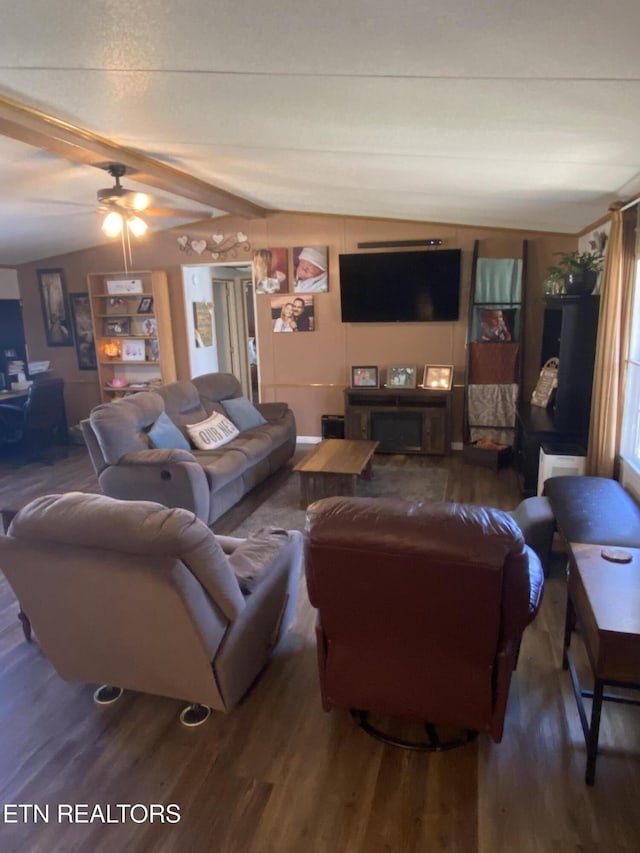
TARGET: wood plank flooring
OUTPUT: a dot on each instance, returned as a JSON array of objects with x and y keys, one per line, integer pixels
[{"x": 278, "y": 774}]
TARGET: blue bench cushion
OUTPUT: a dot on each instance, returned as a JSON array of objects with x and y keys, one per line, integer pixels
[{"x": 594, "y": 510}]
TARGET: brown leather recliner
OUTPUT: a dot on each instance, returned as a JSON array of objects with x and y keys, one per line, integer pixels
[{"x": 421, "y": 608}]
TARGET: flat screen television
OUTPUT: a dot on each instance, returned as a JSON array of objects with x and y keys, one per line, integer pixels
[{"x": 400, "y": 287}]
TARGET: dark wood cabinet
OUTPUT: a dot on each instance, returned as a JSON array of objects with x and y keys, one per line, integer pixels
[
  {"x": 401, "y": 420},
  {"x": 569, "y": 333}
]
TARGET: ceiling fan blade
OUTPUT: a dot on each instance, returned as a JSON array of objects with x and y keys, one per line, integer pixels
[{"x": 58, "y": 201}]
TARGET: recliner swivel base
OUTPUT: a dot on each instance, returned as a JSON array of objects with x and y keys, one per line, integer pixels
[{"x": 433, "y": 743}]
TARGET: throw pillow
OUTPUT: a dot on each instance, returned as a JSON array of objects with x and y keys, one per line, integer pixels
[
  {"x": 215, "y": 431},
  {"x": 243, "y": 413},
  {"x": 165, "y": 435}
]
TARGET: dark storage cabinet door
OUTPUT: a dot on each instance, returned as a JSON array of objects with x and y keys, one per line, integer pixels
[
  {"x": 569, "y": 333},
  {"x": 577, "y": 352}
]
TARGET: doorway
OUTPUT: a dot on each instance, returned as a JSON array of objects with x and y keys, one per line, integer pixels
[{"x": 219, "y": 299}]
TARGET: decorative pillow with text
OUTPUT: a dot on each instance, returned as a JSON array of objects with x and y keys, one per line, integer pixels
[{"x": 214, "y": 432}]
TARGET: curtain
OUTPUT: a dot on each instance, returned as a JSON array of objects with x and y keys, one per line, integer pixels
[{"x": 612, "y": 346}]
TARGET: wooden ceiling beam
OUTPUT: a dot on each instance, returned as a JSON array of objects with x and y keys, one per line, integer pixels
[{"x": 36, "y": 128}]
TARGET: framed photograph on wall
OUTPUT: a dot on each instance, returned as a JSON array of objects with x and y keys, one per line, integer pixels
[
  {"x": 83, "y": 331},
  {"x": 133, "y": 350},
  {"x": 292, "y": 313},
  {"x": 55, "y": 308},
  {"x": 310, "y": 269},
  {"x": 438, "y": 377},
  {"x": 364, "y": 376},
  {"x": 401, "y": 376},
  {"x": 271, "y": 270}
]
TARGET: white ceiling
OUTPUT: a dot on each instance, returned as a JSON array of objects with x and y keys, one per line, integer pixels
[{"x": 485, "y": 112}]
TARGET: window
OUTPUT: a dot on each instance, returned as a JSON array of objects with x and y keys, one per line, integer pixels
[{"x": 630, "y": 443}]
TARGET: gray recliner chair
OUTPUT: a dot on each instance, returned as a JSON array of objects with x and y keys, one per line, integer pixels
[{"x": 134, "y": 595}]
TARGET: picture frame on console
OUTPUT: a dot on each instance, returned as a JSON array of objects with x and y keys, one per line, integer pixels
[
  {"x": 401, "y": 376},
  {"x": 365, "y": 376},
  {"x": 437, "y": 377}
]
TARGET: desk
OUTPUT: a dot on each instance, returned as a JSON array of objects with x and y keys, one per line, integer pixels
[
  {"x": 5, "y": 396},
  {"x": 604, "y": 597}
]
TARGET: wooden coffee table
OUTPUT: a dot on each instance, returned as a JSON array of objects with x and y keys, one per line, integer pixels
[
  {"x": 604, "y": 597},
  {"x": 333, "y": 467}
]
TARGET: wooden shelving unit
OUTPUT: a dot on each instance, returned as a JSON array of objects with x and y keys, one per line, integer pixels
[{"x": 134, "y": 346}]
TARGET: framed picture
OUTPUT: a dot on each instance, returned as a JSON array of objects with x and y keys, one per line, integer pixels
[
  {"x": 146, "y": 305},
  {"x": 364, "y": 376},
  {"x": 438, "y": 377},
  {"x": 310, "y": 269},
  {"x": 547, "y": 383},
  {"x": 55, "y": 308},
  {"x": 144, "y": 326},
  {"x": 203, "y": 323},
  {"x": 117, "y": 305},
  {"x": 401, "y": 376},
  {"x": 83, "y": 331},
  {"x": 126, "y": 285},
  {"x": 117, "y": 327},
  {"x": 494, "y": 325},
  {"x": 133, "y": 350},
  {"x": 292, "y": 313},
  {"x": 270, "y": 269},
  {"x": 152, "y": 350}
]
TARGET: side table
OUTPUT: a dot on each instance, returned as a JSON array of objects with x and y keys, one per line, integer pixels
[{"x": 604, "y": 597}]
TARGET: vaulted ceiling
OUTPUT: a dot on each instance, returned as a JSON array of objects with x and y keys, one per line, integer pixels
[{"x": 487, "y": 112}]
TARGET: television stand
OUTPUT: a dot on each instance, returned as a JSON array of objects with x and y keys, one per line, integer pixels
[{"x": 401, "y": 420}]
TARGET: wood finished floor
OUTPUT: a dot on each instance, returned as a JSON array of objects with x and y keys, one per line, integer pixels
[{"x": 278, "y": 774}]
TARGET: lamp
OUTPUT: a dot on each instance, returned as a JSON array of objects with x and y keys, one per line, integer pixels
[
  {"x": 112, "y": 225},
  {"x": 111, "y": 349},
  {"x": 136, "y": 225}
]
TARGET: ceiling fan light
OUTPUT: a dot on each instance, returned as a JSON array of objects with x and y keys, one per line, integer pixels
[
  {"x": 140, "y": 201},
  {"x": 136, "y": 225},
  {"x": 112, "y": 225}
]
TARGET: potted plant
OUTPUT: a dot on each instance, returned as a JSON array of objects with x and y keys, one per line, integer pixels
[
  {"x": 554, "y": 281},
  {"x": 580, "y": 271}
]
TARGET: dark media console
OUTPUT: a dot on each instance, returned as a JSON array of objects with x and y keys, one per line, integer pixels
[{"x": 401, "y": 420}]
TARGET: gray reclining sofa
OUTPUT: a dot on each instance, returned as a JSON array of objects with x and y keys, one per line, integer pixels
[{"x": 207, "y": 482}]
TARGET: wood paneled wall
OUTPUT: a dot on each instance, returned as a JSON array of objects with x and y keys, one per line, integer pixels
[{"x": 309, "y": 371}]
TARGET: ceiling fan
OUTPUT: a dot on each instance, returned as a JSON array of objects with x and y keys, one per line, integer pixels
[{"x": 123, "y": 205}]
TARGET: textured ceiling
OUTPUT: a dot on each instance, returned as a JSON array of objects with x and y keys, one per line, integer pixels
[{"x": 482, "y": 113}]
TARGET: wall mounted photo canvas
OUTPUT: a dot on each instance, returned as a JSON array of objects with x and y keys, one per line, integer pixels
[
  {"x": 271, "y": 270},
  {"x": 310, "y": 269},
  {"x": 292, "y": 314},
  {"x": 55, "y": 308},
  {"x": 83, "y": 331}
]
